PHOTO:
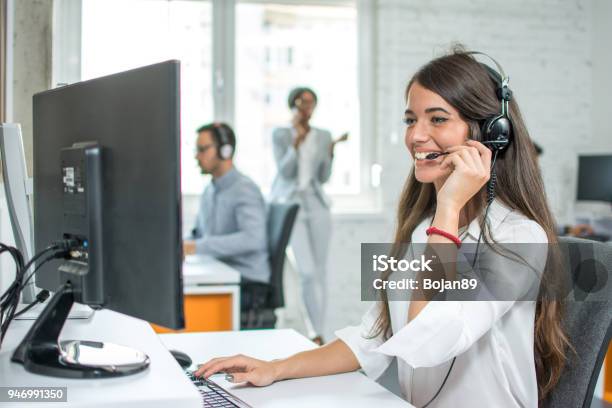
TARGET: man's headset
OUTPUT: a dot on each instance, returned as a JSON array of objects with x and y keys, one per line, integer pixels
[
  {"x": 497, "y": 130},
  {"x": 225, "y": 149}
]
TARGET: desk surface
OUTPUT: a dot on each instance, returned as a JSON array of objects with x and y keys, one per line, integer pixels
[
  {"x": 343, "y": 390},
  {"x": 164, "y": 384},
  {"x": 206, "y": 270}
]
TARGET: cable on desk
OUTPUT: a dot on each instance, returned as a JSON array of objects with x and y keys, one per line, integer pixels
[{"x": 10, "y": 298}]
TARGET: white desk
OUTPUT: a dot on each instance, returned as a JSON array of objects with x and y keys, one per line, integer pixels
[
  {"x": 165, "y": 385},
  {"x": 206, "y": 270},
  {"x": 205, "y": 275},
  {"x": 162, "y": 385},
  {"x": 343, "y": 390}
]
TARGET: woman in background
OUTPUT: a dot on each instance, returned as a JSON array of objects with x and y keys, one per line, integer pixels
[{"x": 304, "y": 156}]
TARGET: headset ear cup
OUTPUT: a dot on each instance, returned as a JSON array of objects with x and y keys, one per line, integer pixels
[
  {"x": 496, "y": 133},
  {"x": 226, "y": 151},
  {"x": 486, "y": 131}
]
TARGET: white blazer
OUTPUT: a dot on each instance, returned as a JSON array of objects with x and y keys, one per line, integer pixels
[
  {"x": 492, "y": 340},
  {"x": 286, "y": 182}
]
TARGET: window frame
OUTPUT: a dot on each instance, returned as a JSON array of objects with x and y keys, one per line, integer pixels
[
  {"x": 66, "y": 66},
  {"x": 6, "y": 104}
]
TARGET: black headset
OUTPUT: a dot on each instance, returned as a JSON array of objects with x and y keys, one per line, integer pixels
[
  {"x": 497, "y": 130},
  {"x": 225, "y": 149}
]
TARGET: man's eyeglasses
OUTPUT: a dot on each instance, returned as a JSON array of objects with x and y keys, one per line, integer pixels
[{"x": 202, "y": 149}]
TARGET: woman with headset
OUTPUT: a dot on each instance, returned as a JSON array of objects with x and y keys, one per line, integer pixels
[
  {"x": 304, "y": 156},
  {"x": 453, "y": 353}
]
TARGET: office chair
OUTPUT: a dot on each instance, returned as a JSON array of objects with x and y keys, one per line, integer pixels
[
  {"x": 587, "y": 321},
  {"x": 280, "y": 220}
]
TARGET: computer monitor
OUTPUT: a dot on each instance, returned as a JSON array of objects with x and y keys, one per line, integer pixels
[
  {"x": 595, "y": 178},
  {"x": 107, "y": 177}
]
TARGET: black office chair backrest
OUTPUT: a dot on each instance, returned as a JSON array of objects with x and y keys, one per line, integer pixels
[
  {"x": 587, "y": 321},
  {"x": 281, "y": 218}
]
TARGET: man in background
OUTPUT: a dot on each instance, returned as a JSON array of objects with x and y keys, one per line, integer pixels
[{"x": 231, "y": 223}]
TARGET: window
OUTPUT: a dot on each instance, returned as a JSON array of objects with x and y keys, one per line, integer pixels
[
  {"x": 278, "y": 47},
  {"x": 144, "y": 32},
  {"x": 239, "y": 59}
]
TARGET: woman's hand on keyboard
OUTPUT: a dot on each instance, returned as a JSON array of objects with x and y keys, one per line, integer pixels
[{"x": 240, "y": 369}]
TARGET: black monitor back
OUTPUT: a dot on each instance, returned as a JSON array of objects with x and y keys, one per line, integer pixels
[
  {"x": 135, "y": 118},
  {"x": 595, "y": 178}
]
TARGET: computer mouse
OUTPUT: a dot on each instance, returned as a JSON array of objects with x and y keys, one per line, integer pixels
[{"x": 183, "y": 359}]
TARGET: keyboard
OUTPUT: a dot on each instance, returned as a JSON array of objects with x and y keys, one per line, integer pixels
[{"x": 215, "y": 396}]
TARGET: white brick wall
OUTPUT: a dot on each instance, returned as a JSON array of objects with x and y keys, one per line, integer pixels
[
  {"x": 545, "y": 47},
  {"x": 602, "y": 67}
]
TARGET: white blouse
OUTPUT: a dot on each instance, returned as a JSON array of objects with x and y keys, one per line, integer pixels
[
  {"x": 307, "y": 155},
  {"x": 492, "y": 340}
]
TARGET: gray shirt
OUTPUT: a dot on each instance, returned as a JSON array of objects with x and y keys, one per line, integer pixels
[{"x": 231, "y": 225}]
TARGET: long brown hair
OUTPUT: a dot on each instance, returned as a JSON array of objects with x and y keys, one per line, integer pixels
[{"x": 466, "y": 85}]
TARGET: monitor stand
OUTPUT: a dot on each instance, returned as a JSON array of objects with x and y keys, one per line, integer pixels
[{"x": 41, "y": 352}]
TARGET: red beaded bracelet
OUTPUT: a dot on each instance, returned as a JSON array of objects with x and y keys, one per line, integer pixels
[{"x": 438, "y": 231}]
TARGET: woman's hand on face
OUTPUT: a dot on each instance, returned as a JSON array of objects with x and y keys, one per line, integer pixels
[
  {"x": 241, "y": 369},
  {"x": 471, "y": 169},
  {"x": 301, "y": 130}
]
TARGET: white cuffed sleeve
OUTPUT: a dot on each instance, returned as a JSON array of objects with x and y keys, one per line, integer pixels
[
  {"x": 358, "y": 339},
  {"x": 443, "y": 330}
]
